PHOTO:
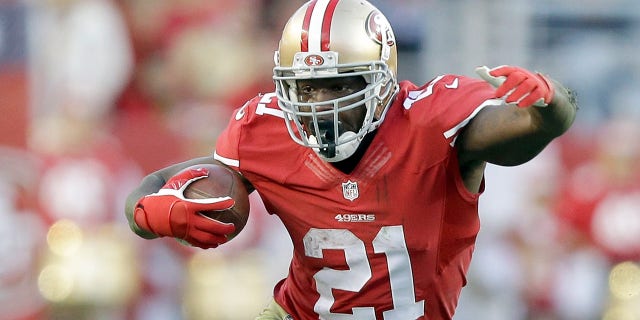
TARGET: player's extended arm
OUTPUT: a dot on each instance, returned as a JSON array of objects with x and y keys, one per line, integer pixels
[
  {"x": 157, "y": 207},
  {"x": 537, "y": 109}
]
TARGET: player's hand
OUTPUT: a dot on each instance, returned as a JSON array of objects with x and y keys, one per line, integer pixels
[
  {"x": 168, "y": 213},
  {"x": 518, "y": 86}
]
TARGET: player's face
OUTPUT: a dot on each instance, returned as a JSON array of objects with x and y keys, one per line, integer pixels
[{"x": 319, "y": 90}]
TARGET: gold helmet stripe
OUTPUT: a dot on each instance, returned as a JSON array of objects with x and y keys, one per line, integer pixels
[{"x": 316, "y": 27}]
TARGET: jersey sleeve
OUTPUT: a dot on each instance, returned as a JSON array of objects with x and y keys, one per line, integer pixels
[
  {"x": 251, "y": 131},
  {"x": 228, "y": 142},
  {"x": 450, "y": 102}
]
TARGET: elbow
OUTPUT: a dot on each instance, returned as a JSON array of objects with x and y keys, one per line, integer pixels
[{"x": 562, "y": 111}]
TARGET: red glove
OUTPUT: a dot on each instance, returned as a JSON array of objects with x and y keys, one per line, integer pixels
[
  {"x": 518, "y": 85},
  {"x": 168, "y": 213}
]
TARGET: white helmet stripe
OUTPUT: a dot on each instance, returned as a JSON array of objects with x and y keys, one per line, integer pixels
[{"x": 319, "y": 25}]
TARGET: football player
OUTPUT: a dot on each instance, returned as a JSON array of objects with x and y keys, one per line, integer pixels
[{"x": 376, "y": 180}]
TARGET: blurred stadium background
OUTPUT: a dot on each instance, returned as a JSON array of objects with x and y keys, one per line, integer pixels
[{"x": 94, "y": 94}]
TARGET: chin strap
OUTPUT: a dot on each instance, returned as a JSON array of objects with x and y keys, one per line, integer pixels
[
  {"x": 330, "y": 151},
  {"x": 327, "y": 135},
  {"x": 342, "y": 151}
]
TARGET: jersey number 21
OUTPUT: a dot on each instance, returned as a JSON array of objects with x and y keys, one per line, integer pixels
[{"x": 390, "y": 241}]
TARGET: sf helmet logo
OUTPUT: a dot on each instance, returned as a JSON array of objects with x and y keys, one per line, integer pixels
[
  {"x": 314, "y": 60},
  {"x": 379, "y": 29}
]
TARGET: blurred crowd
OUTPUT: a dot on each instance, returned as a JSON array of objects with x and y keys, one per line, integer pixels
[{"x": 95, "y": 94}]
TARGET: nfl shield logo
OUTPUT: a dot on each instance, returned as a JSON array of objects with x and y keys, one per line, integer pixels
[{"x": 350, "y": 190}]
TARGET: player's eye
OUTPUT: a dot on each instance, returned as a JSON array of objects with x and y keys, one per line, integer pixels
[
  {"x": 305, "y": 90},
  {"x": 341, "y": 88}
]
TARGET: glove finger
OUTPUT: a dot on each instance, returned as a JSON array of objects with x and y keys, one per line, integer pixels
[
  {"x": 513, "y": 80},
  {"x": 186, "y": 177},
  {"x": 185, "y": 216},
  {"x": 193, "y": 173},
  {"x": 503, "y": 71},
  {"x": 210, "y": 204},
  {"x": 547, "y": 89},
  {"x": 219, "y": 230},
  {"x": 532, "y": 98},
  {"x": 212, "y": 226},
  {"x": 200, "y": 244},
  {"x": 201, "y": 238},
  {"x": 521, "y": 90}
]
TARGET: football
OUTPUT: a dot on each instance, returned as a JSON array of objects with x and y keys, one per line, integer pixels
[{"x": 221, "y": 182}]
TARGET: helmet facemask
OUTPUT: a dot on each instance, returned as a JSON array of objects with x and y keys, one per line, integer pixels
[
  {"x": 334, "y": 39},
  {"x": 320, "y": 128}
]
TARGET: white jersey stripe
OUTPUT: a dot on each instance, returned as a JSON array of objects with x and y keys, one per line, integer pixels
[
  {"x": 453, "y": 131},
  {"x": 230, "y": 162}
]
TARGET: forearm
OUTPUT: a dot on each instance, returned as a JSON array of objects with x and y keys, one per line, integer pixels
[
  {"x": 538, "y": 129},
  {"x": 509, "y": 135}
]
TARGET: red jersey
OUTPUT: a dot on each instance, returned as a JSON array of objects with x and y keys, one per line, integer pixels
[{"x": 392, "y": 239}]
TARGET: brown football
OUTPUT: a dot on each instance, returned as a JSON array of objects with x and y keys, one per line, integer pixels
[{"x": 221, "y": 182}]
